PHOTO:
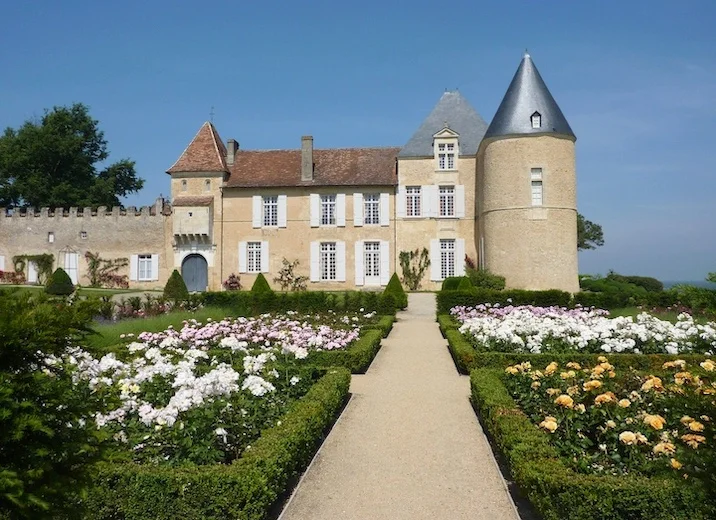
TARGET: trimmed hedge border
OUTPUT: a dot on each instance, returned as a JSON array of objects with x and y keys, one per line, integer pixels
[
  {"x": 246, "y": 489},
  {"x": 555, "y": 490},
  {"x": 356, "y": 358},
  {"x": 385, "y": 325},
  {"x": 466, "y": 357}
]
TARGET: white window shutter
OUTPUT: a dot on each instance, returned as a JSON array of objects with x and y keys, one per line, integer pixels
[
  {"x": 134, "y": 267},
  {"x": 430, "y": 201},
  {"x": 257, "y": 203},
  {"x": 340, "y": 261},
  {"x": 384, "y": 209},
  {"x": 460, "y": 201},
  {"x": 2, "y": 263},
  {"x": 341, "y": 210},
  {"x": 357, "y": 210},
  {"x": 384, "y": 262},
  {"x": 460, "y": 257},
  {"x": 315, "y": 261},
  {"x": 242, "y": 257},
  {"x": 155, "y": 267},
  {"x": 400, "y": 206},
  {"x": 264, "y": 257},
  {"x": 315, "y": 201},
  {"x": 435, "y": 259},
  {"x": 360, "y": 269},
  {"x": 282, "y": 211}
]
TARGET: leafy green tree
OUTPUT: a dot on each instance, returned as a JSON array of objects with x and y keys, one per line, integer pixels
[
  {"x": 47, "y": 435},
  {"x": 711, "y": 278},
  {"x": 56, "y": 161},
  {"x": 589, "y": 234}
]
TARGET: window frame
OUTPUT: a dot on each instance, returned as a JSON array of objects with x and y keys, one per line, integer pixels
[
  {"x": 144, "y": 261},
  {"x": 413, "y": 201},
  {"x": 327, "y": 204},
  {"x": 448, "y": 248},
  {"x": 269, "y": 211},
  {"x": 446, "y": 202},
  {"x": 536, "y": 187},
  {"x": 371, "y": 209},
  {"x": 328, "y": 261},
  {"x": 254, "y": 250},
  {"x": 536, "y": 120},
  {"x": 446, "y": 154}
]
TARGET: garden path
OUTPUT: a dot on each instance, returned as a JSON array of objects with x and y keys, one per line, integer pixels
[{"x": 408, "y": 444}]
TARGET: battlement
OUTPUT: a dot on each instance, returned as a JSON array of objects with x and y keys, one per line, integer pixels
[{"x": 160, "y": 209}]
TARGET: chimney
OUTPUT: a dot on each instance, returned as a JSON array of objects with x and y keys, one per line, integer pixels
[
  {"x": 307, "y": 158},
  {"x": 231, "y": 148}
]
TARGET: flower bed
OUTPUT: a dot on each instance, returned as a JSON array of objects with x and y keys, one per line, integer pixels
[
  {"x": 570, "y": 460},
  {"x": 528, "y": 329}
]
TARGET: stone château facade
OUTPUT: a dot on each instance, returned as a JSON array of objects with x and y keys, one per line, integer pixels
[{"x": 502, "y": 194}]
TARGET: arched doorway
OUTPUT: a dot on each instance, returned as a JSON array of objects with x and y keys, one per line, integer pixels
[{"x": 194, "y": 270}]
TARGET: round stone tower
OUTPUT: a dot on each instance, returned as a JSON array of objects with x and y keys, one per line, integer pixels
[{"x": 527, "y": 208}]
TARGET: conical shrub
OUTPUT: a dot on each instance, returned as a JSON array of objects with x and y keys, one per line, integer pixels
[
  {"x": 260, "y": 285},
  {"x": 59, "y": 283},
  {"x": 175, "y": 289},
  {"x": 395, "y": 288}
]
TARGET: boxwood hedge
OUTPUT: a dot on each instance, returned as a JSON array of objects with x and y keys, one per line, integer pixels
[
  {"x": 555, "y": 490},
  {"x": 244, "y": 490},
  {"x": 356, "y": 358}
]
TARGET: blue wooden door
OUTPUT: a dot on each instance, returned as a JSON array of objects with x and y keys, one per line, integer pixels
[{"x": 194, "y": 270}]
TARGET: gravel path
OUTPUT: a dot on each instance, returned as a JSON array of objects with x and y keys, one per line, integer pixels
[{"x": 408, "y": 445}]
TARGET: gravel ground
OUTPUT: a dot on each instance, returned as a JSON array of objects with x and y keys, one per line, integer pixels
[{"x": 408, "y": 445}]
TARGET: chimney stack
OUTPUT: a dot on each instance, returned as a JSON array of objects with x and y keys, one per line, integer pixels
[
  {"x": 231, "y": 148},
  {"x": 307, "y": 158}
]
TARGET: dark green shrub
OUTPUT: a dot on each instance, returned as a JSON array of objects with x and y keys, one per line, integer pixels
[
  {"x": 448, "y": 299},
  {"x": 260, "y": 285},
  {"x": 484, "y": 279},
  {"x": 450, "y": 283},
  {"x": 387, "y": 304},
  {"x": 465, "y": 284},
  {"x": 646, "y": 282},
  {"x": 59, "y": 283},
  {"x": 175, "y": 289},
  {"x": 46, "y": 447},
  {"x": 356, "y": 358},
  {"x": 395, "y": 288}
]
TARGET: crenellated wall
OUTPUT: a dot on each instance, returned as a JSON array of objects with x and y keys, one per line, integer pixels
[{"x": 113, "y": 233}]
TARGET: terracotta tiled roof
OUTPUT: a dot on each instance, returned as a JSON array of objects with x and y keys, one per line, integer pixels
[
  {"x": 197, "y": 200},
  {"x": 333, "y": 167},
  {"x": 205, "y": 153}
]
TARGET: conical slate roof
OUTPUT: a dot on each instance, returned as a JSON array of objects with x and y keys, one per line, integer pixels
[
  {"x": 526, "y": 95},
  {"x": 205, "y": 153},
  {"x": 460, "y": 117}
]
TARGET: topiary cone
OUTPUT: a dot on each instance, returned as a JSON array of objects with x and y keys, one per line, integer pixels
[
  {"x": 59, "y": 283},
  {"x": 175, "y": 288},
  {"x": 261, "y": 285}
]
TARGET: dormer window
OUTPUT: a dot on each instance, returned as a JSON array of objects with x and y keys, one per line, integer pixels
[
  {"x": 536, "y": 120},
  {"x": 445, "y": 146},
  {"x": 446, "y": 156}
]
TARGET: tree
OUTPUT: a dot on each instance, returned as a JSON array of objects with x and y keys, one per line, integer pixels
[
  {"x": 60, "y": 283},
  {"x": 55, "y": 162},
  {"x": 175, "y": 288},
  {"x": 589, "y": 234},
  {"x": 711, "y": 278}
]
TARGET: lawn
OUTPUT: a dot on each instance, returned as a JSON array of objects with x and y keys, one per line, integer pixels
[{"x": 83, "y": 291}]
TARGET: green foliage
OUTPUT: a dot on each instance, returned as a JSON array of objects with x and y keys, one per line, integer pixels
[
  {"x": 413, "y": 264},
  {"x": 54, "y": 162},
  {"x": 450, "y": 283},
  {"x": 395, "y": 288},
  {"x": 555, "y": 490},
  {"x": 287, "y": 278},
  {"x": 103, "y": 273},
  {"x": 465, "y": 284},
  {"x": 356, "y": 358},
  {"x": 387, "y": 304},
  {"x": 260, "y": 285},
  {"x": 589, "y": 234},
  {"x": 646, "y": 282},
  {"x": 246, "y": 489},
  {"x": 484, "y": 279},
  {"x": 446, "y": 300},
  {"x": 43, "y": 264},
  {"x": 711, "y": 277},
  {"x": 232, "y": 283},
  {"x": 59, "y": 283},
  {"x": 175, "y": 288},
  {"x": 45, "y": 443}
]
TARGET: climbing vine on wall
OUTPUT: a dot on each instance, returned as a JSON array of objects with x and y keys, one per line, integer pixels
[
  {"x": 103, "y": 273},
  {"x": 43, "y": 264},
  {"x": 414, "y": 264}
]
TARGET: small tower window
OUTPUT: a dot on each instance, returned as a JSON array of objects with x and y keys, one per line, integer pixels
[
  {"x": 51, "y": 237},
  {"x": 83, "y": 235},
  {"x": 536, "y": 120},
  {"x": 207, "y": 185},
  {"x": 183, "y": 185}
]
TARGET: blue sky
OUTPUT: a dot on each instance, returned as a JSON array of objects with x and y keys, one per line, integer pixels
[{"x": 636, "y": 80}]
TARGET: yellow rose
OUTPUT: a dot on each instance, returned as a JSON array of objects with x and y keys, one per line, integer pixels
[
  {"x": 686, "y": 419},
  {"x": 696, "y": 426},
  {"x": 611, "y": 424},
  {"x": 591, "y": 385},
  {"x": 574, "y": 365},
  {"x": 580, "y": 408},
  {"x": 624, "y": 403},
  {"x": 567, "y": 375},
  {"x": 597, "y": 371},
  {"x": 678, "y": 363},
  {"x": 683, "y": 377},
  {"x": 693, "y": 440},
  {"x": 535, "y": 385},
  {"x": 511, "y": 370},
  {"x": 652, "y": 382},
  {"x": 705, "y": 418},
  {"x": 564, "y": 400},
  {"x": 602, "y": 359},
  {"x": 627, "y": 438},
  {"x": 664, "y": 448},
  {"x": 607, "y": 397},
  {"x": 549, "y": 424},
  {"x": 551, "y": 368},
  {"x": 676, "y": 464},
  {"x": 573, "y": 390},
  {"x": 655, "y": 421},
  {"x": 641, "y": 438},
  {"x": 708, "y": 365}
]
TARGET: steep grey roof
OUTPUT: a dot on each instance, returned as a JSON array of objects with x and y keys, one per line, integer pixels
[
  {"x": 526, "y": 95},
  {"x": 454, "y": 109}
]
